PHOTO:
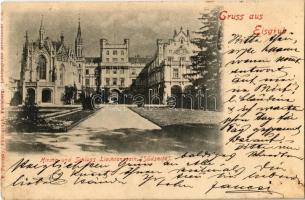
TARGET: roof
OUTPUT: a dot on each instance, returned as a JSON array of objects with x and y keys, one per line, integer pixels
[
  {"x": 92, "y": 59},
  {"x": 138, "y": 59}
]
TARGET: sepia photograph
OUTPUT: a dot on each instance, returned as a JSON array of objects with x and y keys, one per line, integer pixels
[
  {"x": 115, "y": 81},
  {"x": 200, "y": 99}
]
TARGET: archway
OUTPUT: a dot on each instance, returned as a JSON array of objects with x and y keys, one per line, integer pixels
[
  {"x": 189, "y": 97},
  {"x": 31, "y": 95},
  {"x": 176, "y": 92},
  {"x": 114, "y": 96},
  {"x": 46, "y": 96}
]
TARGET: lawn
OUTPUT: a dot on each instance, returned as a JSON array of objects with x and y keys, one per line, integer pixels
[
  {"x": 55, "y": 124},
  {"x": 193, "y": 129},
  {"x": 166, "y": 116},
  {"x": 75, "y": 118}
]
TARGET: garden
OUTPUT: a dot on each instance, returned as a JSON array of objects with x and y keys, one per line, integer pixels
[{"x": 32, "y": 118}]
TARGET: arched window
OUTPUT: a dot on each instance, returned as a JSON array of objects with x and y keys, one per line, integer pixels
[
  {"x": 42, "y": 67},
  {"x": 46, "y": 96}
]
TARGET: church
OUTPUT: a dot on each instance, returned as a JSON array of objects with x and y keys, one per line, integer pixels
[{"x": 47, "y": 66}]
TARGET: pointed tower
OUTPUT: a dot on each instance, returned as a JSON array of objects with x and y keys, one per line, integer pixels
[
  {"x": 175, "y": 33},
  {"x": 79, "y": 42},
  {"x": 62, "y": 38},
  {"x": 188, "y": 34},
  {"x": 25, "y": 53},
  {"x": 41, "y": 32},
  {"x": 26, "y": 45},
  {"x": 25, "y": 72}
]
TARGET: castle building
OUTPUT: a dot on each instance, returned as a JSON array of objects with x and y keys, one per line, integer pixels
[
  {"x": 48, "y": 66},
  {"x": 118, "y": 70},
  {"x": 92, "y": 74},
  {"x": 115, "y": 68},
  {"x": 163, "y": 75}
]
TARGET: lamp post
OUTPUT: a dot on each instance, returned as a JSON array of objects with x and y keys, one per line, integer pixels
[
  {"x": 199, "y": 96},
  {"x": 206, "y": 98},
  {"x": 215, "y": 105},
  {"x": 149, "y": 95},
  {"x": 103, "y": 94}
]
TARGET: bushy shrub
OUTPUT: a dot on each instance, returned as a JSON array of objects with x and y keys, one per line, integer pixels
[
  {"x": 29, "y": 112},
  {"x": 86, "y": 102},
  {"x": 26, "y": 119},
  {"x": 16, "y": 100},
  {"x": 69, "y": 94}
]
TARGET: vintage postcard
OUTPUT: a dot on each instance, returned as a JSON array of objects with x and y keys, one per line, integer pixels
[{"x": 152, "y": 100}]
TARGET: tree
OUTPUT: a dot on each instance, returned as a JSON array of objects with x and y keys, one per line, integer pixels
[
  {"x": 16, "y": 100},
  {"x": 86, "y": 101},
  {"x": 69, "y": 94},
  {"x": 29, "y": 112},
  {"x": 74, "y": 92},
  {"x": 206, "y": 61}
]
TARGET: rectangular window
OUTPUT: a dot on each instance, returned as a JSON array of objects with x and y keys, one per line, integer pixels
[
  {"x": 115, "y": 59},
  {"x": 122, "y": 82},
  {"x": 175, "y": 73},
  {"x": 107, "y": 52},
  {"x": 107, "y": 59},
  {"x": 122, "y": 59},
  {"x": 107, "y": 70},
  {"x": 87, "y": 82},
  {"x": 107, "y": 81},
  {"x": 122, "y": 52},
  {"x": 115, "y": 52},
  {"x": 182, "y": 59},
  {"x": 114, "y": 81},
  {"x": 170, "y": 58},
  {"x": 87, "y": 71},
  {"x": 114, "y": 70},
  {"x": 122, "y": 71}
]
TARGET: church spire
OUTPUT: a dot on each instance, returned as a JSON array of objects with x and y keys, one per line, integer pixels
[
  {"x": 41, "y": 23},
  {"x": 41, "y": 32},
  {"x": 79, "y": 42},
  {"x": 79, "y": 33},
  {"x": 26, "y": 38},
  {"x": 26, "y": 44},
  {"x": 175, "y": 33}
]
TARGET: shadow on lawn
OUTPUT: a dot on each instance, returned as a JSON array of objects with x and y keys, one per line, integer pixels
[
  {"x": 172, "y": 138},
  {"x": 27, "y": 143},
  {"x": 31, "y": 147},
  {"x": 178, "y": 138}
]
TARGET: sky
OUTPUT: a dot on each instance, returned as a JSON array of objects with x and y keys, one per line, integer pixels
[{"x": 142, "y": 23}]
